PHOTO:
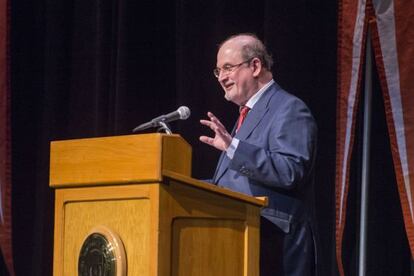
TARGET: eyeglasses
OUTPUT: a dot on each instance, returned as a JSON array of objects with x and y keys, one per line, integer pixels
[{"x": 228, "y": 68}]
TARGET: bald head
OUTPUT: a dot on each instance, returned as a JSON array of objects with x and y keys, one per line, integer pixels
[
  {"x": 250, "y": 46},
  {"x": 243, "y": 67}
]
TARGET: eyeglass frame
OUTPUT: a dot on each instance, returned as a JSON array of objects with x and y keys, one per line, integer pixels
[{"x": 230, "y": 68}]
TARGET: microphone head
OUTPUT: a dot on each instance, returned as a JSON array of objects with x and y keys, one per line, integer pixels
[{"x": 184, "y": 112}]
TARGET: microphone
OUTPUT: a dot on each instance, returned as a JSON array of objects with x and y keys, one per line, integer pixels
[{"x": 182, "y": 113}]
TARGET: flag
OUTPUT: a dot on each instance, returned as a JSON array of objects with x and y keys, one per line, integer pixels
[
  {"x": 5, "y": 147},
  {"x": 352, "y": 30},
  {"x": 393, "y": 45},
  {"x": 393, "y": 41}
]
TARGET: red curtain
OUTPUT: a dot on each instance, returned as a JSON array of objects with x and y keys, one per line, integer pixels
[{"x": 5, "y": 156}]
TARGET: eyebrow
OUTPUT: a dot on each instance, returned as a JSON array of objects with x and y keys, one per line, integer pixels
[{"x": 227, "y": 64}]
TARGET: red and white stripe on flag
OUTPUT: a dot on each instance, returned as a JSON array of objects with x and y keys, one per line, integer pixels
[
  {"x": 5, "y": 157},
  {"x": 351, "y": 49},
  {"x": 393, "y": 40}
]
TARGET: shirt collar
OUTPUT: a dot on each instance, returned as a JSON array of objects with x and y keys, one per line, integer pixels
[{"x": 255, "y": 98}]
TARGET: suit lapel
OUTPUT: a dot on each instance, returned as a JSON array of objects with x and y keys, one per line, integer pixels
[
  {"x": 222, "y": 166},
  {"x": 250, "y": 123},
  {"x": 252, "y": 120},
  {"x": 256, "y": 114}
]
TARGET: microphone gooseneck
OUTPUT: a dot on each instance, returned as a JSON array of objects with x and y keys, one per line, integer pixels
[{"x": 182, "y": 113}]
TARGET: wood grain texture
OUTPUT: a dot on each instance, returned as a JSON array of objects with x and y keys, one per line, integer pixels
[
  {"x": 205, "y": 246},
  {"x": 140, "y": 188},
  {"x": 162, "y": 225},
  {"x": 117, "y": 159},
  {"x": 259, "y": 201},
  {"x": 130, "y": 211},
  {"x": 195, "y": 222}
]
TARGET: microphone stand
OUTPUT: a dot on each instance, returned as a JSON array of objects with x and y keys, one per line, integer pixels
[{"x": 164, "y": 127}]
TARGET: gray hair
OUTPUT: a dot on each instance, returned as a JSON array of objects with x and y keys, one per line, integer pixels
[{"x": 254, "y": 49}]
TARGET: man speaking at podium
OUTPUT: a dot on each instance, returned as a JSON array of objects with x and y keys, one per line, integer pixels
[{"x": 270, "y": 152}]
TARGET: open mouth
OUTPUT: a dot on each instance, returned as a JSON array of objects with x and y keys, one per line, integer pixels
[{"x": 228, "y": 86}]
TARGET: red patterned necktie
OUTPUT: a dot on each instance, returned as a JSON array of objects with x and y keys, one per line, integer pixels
[{"x": 243, "y": 113}]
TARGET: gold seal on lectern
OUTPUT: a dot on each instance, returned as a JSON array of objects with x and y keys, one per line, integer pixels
[{"x": 102, "y": 254}]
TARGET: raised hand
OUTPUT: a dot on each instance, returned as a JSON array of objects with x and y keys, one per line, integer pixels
[{"x": 222, "y": 138}]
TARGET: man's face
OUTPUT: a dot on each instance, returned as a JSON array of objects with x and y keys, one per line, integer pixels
[{"x": 238, "y": 82}]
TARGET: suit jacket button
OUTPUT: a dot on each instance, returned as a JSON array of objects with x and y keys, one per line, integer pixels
[{"x": 244, "y": 170}]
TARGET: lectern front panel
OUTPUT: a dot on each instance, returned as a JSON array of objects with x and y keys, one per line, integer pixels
[
  {"x": 204, "y": 246},
  {"x": 128, "y": 211}
]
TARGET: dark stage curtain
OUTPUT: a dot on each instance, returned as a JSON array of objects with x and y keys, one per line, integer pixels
[{"x": 99, "y": 68}]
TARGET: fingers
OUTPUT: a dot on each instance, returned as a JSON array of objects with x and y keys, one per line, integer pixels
[
  {"x": 221, "y": 139},
  {"x": 210, "y": 124},
  {"x": 207, "y": 140},
  {"x": 215, "y": 120},
  {"x": 215, "y": 125},
  {"x": 207, "y": 123}
]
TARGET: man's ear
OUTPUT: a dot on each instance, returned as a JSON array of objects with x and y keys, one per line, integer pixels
[{"x": 257, "y": 67}]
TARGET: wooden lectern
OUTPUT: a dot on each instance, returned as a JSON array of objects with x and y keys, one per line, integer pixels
[{"x": 139, "y": 187}]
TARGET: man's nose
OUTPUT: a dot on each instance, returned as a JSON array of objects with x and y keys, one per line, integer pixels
[{"x": 222, "y": 76}]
